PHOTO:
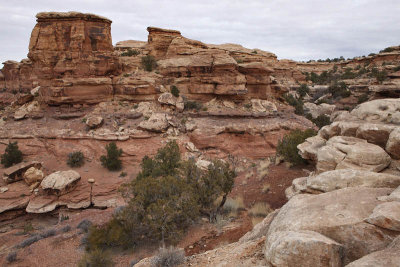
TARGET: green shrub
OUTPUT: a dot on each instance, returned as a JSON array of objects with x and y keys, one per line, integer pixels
[
  {"x": 149, "y": 63},
  {"x": 321, "y": 121},
  {"x": 303, "y": 90},
  {"x": 12, "y": 155},
  {"x": 130, "y": 53},
  {"x": 396, "y": 68},
  {"x": 387, "y": 50},
  {"x": 167, "y": 195},
  {"x": 75, "y": 159},
  {"x": 381, "y": 76},
  {"x": 287, "y": 146},
  {"x": 168, "y": 257},
  {"x": 297, "y": 103},
  {"x": 96, "y": 258},
  {"x": 193, "y": 105},
  {"x": 11, "y": 257},
  {"x": 111, "y": 161},
  {"x": 339, "y": 89},
  {"x": 175, "y": 91},
  {"x": 362, "y": 98}
]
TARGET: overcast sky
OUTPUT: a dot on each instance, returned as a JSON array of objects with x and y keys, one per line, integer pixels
[{"x": 294, "y": 29}]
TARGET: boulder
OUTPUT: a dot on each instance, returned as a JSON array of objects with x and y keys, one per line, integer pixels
[
  {"x": 168, "y": 99},
  {"x": 33, "y": 175},
  {"x": 259, "y": 105},
  {"x": 393, "y": 144},
  {"x": 318, "y": 110},
  {"x": 60, "y": 182},
  {"x": 380, "y": 110},
  {"x": 394, "y": 196},
  {"x": 342, "y": 178},
  {"x": 388, "y": 257},
  {"x": 386, "y": 215},
  {"x": 26, "y": 109},
  {"x": 302, "y": 248},
  {"x": 338, "y": 215},
  {"x": 16, "y": 172},
  {"x": 342, "y": 152},
  {"x": 309, "y": 149},
  {"x": 374, "y": 133},
  {"x": 156, "y": 123},
  {"x": 94, "y": 121},
  {"x": 35, "y": 91}
]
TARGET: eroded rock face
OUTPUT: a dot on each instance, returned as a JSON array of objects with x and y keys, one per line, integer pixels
[{"x": 72, "y": 57}]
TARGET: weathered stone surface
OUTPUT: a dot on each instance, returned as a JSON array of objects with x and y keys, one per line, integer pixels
[
  {"x": 302, "y": 248},
  {"x": 260, "y": 229},
  {"x": 393, "y": 144},
  {"x": 338, "y": 215},
  {"x": 15, "y": 197},
  {"x": 379, "y": 110},
  {"x": 26, "y": 109},
  {"x": 388, "y": 257},
  {"x": 338, "y": 179},
  {"x": 60, "y": 182},
  {"x": 156, "y": 123},
  {"x": 168, "y": 99},
  {"x": 386, "y": 215},
  {"x": 33, "y": 175},
  {"x": 259, "y": 105},
  {"x": 342, "y": 152},
  {"x": 94, "y": 121},
  {"x": 317, "y": 110},
  {"x": 16, "y": 172},
  {"x": 394, "y": 196},
  {"x": 309, "y": 149}
]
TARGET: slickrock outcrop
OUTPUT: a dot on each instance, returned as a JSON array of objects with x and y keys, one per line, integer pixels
[{"x": 356, "y": 205}]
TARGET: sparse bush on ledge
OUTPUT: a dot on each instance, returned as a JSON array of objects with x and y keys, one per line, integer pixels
[
  {"x": 149, "y": 63},
  {"x": 111, "y": 161},
  {"x": 287, "y": 146},
  {"x": 130, "y": 52},
  {"x": 175, "y": 91},
  {"x": 11, "y": 257},
  {"x": 12, "y": 155},
  {"x": 75, "y": 159}
]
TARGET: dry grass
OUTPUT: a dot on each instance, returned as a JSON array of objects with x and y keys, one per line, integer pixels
[
  {"x": 266, "y": 187},
  {"x": 256, "y": 220},
  {"x": 233, "y": 205},
  {"x": 260, "y": 209},
  {"x": 263, "y": 169}
]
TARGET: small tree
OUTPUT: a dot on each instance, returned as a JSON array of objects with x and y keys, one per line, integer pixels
[
  {"x": 175, "y": 91},
  {"x": 75, "y": 159},
  {"x": 287, "y": 146},
  {"x": 96, "y": 257},
  {"x": 149, "y": 63},
  {"x": 303, "y": 90},
  {"x": 12, "y": 155},
  {"x": 112, "y": 161}
]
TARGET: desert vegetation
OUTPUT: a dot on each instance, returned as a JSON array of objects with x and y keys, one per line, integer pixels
[
  {"x": 12, "y": 155},
  {"x": 287, "y": 146},
  {"x": 111, "y": 161},
  {"x": 166, "y": 197},
  {"x": 75, "y": 159}
]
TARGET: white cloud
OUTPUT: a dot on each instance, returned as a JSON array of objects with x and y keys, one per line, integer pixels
[{"x": 296, "y": 29}]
